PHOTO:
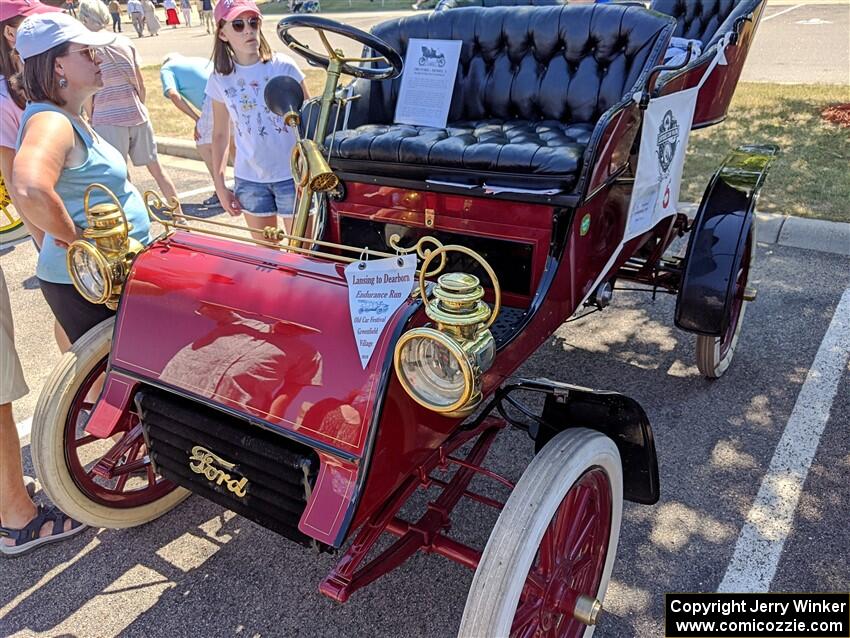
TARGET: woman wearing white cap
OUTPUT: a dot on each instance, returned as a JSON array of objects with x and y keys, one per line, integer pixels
[
  {"x": 24, "y": 526},
  {"x": 59, "y": 156}
]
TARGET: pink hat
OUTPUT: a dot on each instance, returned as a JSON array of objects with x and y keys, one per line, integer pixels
[
  {"x": 229, "y": 9},
  {"x": 12, "y": 8}
]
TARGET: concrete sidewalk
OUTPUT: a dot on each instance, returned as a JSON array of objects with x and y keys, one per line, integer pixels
[{"x": 785, "y": 230}]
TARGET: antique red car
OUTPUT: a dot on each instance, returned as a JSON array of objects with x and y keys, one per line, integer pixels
[{"x": 232, "y": 370}]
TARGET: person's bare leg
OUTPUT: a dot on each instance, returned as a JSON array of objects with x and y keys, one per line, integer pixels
[
  {"x": 16, "y": 506},
  {"x": 259, "y": 222},
  {"x": 163, "y": 180},
  {"x": 205, "y": 151},
  {"x": 61, "y": 338}
]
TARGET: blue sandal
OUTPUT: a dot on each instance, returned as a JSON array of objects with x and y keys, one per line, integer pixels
[{"x": 28, "y": 539}]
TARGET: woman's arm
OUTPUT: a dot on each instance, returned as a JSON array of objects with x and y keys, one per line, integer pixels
[
  {"x": 46, "y": 142},
  {"x": 220, "y": 141},
  {"x": 180, "y": 102},
  {"x": 7, "y": 156}
]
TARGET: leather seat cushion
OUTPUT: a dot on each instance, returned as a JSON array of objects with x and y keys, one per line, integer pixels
[{"x": 543, "y": 148}]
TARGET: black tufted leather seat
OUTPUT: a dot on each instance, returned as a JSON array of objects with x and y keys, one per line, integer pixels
[
  {"x": 531, "y": 85},
  {"x": 704, "y": 20},
  {"x": 442, "y": 5}
]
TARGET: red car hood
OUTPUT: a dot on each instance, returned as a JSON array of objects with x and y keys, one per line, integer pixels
[{"x": 262, "y": 332}]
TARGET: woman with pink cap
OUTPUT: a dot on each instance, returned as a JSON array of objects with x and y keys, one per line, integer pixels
[{"x": 243, "y": 64}]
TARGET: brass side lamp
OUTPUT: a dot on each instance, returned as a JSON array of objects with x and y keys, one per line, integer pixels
[
  {"x": 440, "y": 367},
  {"x": 100, "y": 262}
]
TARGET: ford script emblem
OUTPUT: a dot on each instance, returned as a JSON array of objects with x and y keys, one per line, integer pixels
[{"x": 210, "y": 465}]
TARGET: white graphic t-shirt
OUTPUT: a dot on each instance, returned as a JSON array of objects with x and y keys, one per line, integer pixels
[{"x": 263, "y": 142}]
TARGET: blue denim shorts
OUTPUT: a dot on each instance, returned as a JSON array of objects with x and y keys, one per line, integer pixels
[{"x": 265, "y": 200}]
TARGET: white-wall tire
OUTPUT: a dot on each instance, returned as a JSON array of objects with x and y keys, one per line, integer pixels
[
  {"x": 513, "y": 546},
  {"x": 49, "y": 441},
  {"x": 714, "y": 354}
]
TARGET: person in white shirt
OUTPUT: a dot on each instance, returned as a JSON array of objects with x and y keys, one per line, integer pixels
[
  {"x": 137, "y": 16},
  {"x": 243, "y": 64}
]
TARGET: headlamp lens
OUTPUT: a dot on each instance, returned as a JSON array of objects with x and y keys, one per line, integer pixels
[
  {"x": 433, "y": 371},
  {"x": 88, "y": 273}
]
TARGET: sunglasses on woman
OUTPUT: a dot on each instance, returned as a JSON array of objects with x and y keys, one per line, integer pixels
[
  {"x": 92, "y": 53},
  {"x": 239, "y": 24}
]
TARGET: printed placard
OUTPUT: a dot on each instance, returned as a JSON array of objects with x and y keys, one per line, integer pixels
[
  {"x": 376, "y": 289},
  {"x": 427, "y": 83},
  {"x": 664, "y": 140}
]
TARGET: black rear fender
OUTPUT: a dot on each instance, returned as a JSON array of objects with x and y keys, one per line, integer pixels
[{"x": 718, "y": 240}]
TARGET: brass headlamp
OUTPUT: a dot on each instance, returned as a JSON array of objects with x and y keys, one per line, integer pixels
[
  {"x": 100, "y": 262},
  {"x": 440, "y": 367}
]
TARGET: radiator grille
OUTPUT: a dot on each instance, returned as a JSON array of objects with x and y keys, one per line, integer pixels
[{"x": 275, "y": 466}]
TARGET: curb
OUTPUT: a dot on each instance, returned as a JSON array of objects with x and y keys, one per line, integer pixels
[
  {"x": 785, "y": 230},
  {"x": 178, "y": 147},
  {"x": 795, "y": 232}
]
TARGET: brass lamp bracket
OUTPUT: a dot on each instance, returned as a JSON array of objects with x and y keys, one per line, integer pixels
[
  {"x": 154, "y": 202},
  {"x": 441, "y": 252}
]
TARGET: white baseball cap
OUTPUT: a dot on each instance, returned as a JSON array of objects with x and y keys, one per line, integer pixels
[{"x": 42, "y": 32}]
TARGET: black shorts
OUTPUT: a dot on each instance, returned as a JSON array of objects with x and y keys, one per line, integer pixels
[{"x": 76, "y": 315}]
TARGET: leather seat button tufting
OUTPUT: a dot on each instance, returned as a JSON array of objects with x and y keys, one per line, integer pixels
[{"x": 509, "y": 114}]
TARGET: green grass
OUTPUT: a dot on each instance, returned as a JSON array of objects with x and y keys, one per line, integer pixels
[
  {"x": 809, "y": 179},
  {"x": 334, "y": 6},
  {"x": 170, "y": 122}
]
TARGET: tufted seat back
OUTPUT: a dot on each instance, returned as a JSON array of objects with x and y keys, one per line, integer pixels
[
  {"x": 442, "y": 5},
  {"x": 530, "y": 86},
  {"x": 704, "y": 20},
  {"x": 564, "y": 63}
]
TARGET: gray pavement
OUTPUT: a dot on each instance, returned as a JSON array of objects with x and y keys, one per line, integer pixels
[
  {"x": 202, "y": 571},
  {"x": 801, "y": 43}
]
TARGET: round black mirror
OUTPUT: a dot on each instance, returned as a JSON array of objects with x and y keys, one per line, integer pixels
[{"x": 283, "y": 94}]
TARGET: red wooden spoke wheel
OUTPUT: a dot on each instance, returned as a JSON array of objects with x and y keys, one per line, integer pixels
[
  {"x": 545, "y": 569},
  {"x": 714, "y": 354},
  {"x": 101, "y": 482},
  {"x": 115, "y": 472},
  {"x": 569, "y": 562}
]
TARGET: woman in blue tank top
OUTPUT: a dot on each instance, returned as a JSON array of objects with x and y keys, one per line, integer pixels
[{"x": 59, "y": 156}]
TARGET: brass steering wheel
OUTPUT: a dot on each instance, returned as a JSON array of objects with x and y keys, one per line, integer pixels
[{"x": 384, "y": 52}]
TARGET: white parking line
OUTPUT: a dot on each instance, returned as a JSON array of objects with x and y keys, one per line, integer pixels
[
  {"x": 771, "y": 518},
  {"x": 198, "y": 191},
  {"x": 776, "y": 15},
  {"x": 24, "y": 427}
]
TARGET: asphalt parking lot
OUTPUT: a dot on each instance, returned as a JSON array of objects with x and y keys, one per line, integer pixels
[{"x": 202, "y": 571}]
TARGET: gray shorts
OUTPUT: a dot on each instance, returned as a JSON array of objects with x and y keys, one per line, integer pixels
[
  {"x": 12, "y": 384},
  {"x": 137, "y": 142}
]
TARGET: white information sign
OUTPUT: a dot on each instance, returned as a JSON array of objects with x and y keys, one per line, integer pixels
[
  {"x": 663, "y": 143},
  {"x": 664, "y": 140},
  {"x": 376, "y": 289},
  {"x": 427, "y": 83}
]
